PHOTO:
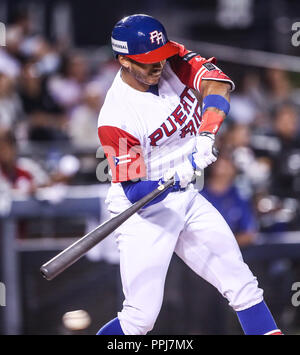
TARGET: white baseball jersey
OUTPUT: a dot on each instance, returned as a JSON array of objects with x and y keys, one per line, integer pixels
[{"x": 143, "y": 134}]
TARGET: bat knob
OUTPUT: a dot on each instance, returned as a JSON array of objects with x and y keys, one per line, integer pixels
[{"x": 44, "y": 272}]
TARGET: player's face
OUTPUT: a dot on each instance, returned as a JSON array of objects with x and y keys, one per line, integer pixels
[
  {"x": 144, "y": 74},
  {"x": 148, "y": 74}
]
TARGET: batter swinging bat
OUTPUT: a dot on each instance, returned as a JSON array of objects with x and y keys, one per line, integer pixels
[{"x": 76, "y": 250}]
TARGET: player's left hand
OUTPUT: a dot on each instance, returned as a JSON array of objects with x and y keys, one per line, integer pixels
[
  {"x": 183, "y": 175},
  {"x": 203, "y": 155}
]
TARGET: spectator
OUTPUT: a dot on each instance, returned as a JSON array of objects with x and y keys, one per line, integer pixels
[
  {"x": 46, "y": 57},
  {"x": 279, "y": 87},
  {"x": 9, "y": 55},
  {"x": 223, "y": 194},
  {"x": 245, "y": 104},
  {"x": 24, "y": 174},
  {"x": 253, "y": 171},
  {"x": 279, "y": 90},
  {"x": 286, "y": 163},
  {"x": 10, "y": 172},
  {"x": 10, "y": 103},
  {"x": 45, "y": 126},
  {"x": 46, "y": 120},
  {"x": 83, "y": 120},
  {"x": 21, "y": 19},
  {"x": 67, "y": 87},
  {"x": 33, "y": 90}
]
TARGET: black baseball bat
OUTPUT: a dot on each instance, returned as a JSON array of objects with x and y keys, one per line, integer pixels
[{"x": 76, "y": 250}]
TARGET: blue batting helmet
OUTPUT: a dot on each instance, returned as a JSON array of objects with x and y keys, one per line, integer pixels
[{"x": 143, "y": 39}]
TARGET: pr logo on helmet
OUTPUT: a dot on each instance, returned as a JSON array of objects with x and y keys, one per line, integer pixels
[{"x": 156, "y": 36}]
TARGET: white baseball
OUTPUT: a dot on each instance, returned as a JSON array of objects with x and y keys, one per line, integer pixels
[{"x": 76, "y": 320}]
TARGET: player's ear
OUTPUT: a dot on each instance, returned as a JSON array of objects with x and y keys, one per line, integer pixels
[{"x": 124, "y": 61}]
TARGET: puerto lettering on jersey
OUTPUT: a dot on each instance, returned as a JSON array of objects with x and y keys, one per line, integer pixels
[{"x": 178, "y": 119}]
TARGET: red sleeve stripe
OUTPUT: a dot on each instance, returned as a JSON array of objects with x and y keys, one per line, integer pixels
[{"x": 197, "y": 79}]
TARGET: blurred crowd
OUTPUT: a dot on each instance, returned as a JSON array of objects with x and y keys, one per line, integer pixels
[
  {"x": 51, "y": 94},
  {"x": 50, "y": 97},
  {"x": 256, "y": 180}
]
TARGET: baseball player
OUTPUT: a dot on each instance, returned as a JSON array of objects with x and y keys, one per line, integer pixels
[{"x": 152, "y": 127}]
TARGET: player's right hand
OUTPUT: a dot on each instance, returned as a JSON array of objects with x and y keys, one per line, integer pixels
[{"x": 183, "y": 174}]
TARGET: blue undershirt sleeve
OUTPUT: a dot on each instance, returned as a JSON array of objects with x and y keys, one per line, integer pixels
[{"x": 134, "y": 191}]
